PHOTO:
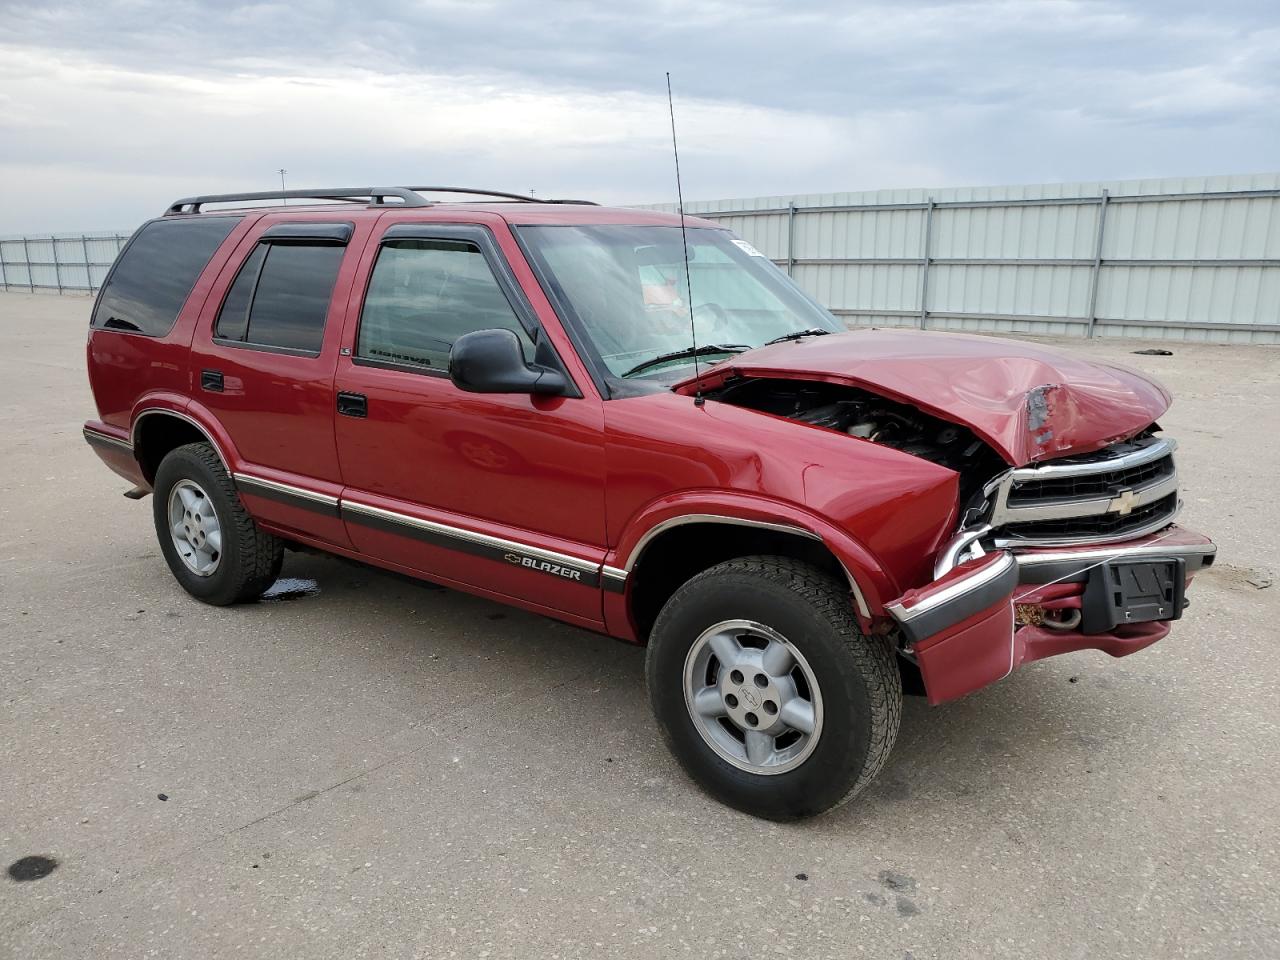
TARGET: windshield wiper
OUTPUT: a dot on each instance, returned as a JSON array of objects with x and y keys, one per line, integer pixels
[
  {"x": 688, "y": 352},
  {"x": 811, "y": 332}
]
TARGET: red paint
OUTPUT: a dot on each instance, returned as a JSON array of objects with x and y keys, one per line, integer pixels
[
  {"x": 1037, "y": 643},
  {"x": 969, "y": 656},
  {"x": 981, "y": 382},
  {"x": 668, "y": 456},
  {"x": 589, "y": 478}
]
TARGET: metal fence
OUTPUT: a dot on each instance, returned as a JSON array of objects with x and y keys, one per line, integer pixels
[
  {"x": 61, "y": 263},
  {"x": 1185, "y": 259},
  {"x": 1190, "y": 259}
]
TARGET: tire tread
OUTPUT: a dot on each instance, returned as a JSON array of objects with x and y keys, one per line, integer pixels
[
  {"x": 872, "y": 658},
  {"x": 258, "y": 555}
]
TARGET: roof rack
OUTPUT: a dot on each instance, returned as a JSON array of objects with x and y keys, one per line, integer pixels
[{"x": 375, "y": 196}]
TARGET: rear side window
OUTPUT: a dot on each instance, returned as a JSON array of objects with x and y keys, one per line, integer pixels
[
  {"x": 280, "y": 297},
  {"x": 154, "y": 275},
  {"x": 423, "y": 295}
]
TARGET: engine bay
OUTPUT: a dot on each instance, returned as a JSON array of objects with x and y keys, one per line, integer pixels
[{"x": 868, "y": 416}]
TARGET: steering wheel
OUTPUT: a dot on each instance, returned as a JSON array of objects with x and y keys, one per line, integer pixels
[{"x": 719, "y": 327}]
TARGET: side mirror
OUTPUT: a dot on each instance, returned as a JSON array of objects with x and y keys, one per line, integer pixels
[{"x": 491, "y": 361}]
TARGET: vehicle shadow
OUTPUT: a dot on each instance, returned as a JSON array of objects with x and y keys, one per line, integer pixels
[{"x": 975, "y": 752}]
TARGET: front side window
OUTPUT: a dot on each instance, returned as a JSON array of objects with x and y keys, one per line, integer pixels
[
  {"x": 626, "y": 289},
  {"x": 154, "y": 275},
  {"x": 423, "y": 295},
  {"x": 280, "y": 297}
]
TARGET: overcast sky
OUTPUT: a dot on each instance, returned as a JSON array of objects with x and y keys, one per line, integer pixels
[{"x": 109, "y": 110}]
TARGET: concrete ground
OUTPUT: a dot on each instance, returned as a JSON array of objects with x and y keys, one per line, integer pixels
[{"x": 388, "y": 769}]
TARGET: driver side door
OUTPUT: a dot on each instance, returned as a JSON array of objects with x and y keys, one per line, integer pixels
[{"x": 498, "y": 493}]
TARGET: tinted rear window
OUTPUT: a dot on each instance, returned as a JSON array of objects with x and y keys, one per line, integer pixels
[{"x": 154, "y": 275}]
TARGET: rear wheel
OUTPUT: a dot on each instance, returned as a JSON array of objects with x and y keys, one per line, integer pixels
[
  {"x": 212, "y": 545},
  {"x": 767, "y": 692}
]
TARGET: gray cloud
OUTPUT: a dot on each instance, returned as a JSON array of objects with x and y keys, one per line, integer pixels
[{"x": 774, "y": 97}]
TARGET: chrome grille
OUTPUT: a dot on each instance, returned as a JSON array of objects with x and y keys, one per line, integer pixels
[
  {"x": 1090, "y": 486},
  {"x": 1124, "y": 491}
]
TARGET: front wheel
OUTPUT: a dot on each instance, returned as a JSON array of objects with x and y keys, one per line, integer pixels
[
  {"x": 213, "y": 547},
  {"x": 767, "y": 692}
]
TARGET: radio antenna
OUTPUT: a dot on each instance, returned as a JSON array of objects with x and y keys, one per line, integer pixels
[{"x": 684, "y": 242}]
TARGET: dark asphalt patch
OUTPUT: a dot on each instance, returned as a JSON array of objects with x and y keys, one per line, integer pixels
[{"x": 32, "y": 868}]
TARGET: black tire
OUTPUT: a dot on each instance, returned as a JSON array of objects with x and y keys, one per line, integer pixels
[
  {"x": 858, "y": 677},
  {"x": 250, "y": 558}
]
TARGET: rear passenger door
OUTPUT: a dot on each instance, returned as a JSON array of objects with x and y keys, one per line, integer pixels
[
  {"x": 263, "y": 365},
  {"x": 500, "y": 492}
]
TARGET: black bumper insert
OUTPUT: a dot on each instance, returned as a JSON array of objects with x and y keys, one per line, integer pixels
[{"x": 1133, "y": 591}]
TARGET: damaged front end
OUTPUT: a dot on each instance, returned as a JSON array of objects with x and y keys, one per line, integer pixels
[
  {"x": 1074, "y": 549},
  {"x": 1100, "y": 564}
]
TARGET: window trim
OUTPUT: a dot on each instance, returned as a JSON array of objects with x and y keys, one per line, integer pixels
[
  {"x": 338, "y": 232},
  {"x": 266, "y": 348},
  {"x": 248, "y": 307},
  {"x": 508, "y": 285}
]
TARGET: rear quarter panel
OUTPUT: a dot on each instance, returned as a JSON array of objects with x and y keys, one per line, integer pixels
[{"x": 127, "y": 369}]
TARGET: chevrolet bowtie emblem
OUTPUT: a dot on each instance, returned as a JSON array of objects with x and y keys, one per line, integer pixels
[{"x": 1122, "y": 504}]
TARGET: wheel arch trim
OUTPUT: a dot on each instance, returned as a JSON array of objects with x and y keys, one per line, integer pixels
[
  {"x": 205, "y": 431},
  {"x": 854, "y": 566}
]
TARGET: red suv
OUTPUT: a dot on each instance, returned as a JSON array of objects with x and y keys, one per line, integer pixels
[{"x": 504, "y": 396}]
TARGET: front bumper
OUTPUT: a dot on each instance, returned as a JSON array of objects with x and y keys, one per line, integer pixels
[{"x": 985, "y": 617}]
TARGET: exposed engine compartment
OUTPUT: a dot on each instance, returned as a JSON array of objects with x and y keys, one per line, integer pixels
[{"x": 860, "y": 413}]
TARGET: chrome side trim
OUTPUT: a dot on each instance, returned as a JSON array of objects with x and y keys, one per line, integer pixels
[
  {"x": 285, "y": 488},
  {"x": 958, "y": 589},
  {"x": 1161, "y": 448},
  {"x": 97, "y": 436},
  {"x": 613, "y": 573},
  {"x": 165, "y": 411},
  {"x": 470, "y": 536}
]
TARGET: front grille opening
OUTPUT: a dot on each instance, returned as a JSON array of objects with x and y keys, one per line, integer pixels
[
  {"x": 1092, "y": 486},
  {"x": 1105, "y": 525}
]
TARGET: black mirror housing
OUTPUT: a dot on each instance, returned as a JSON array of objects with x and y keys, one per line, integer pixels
[{"x": 491, "y": 361}]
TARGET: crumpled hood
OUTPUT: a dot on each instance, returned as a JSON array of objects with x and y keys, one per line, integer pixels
[{"x": 1029, "y": 402}]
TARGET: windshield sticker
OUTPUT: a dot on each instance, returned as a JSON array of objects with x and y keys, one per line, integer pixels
[{"x": 746, "y": 248}]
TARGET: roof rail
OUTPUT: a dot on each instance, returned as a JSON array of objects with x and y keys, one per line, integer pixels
[
  {"x": 376, "y": 195},
  {"x": 407, "y": 196},
  {"x": 496, "y": 193}
]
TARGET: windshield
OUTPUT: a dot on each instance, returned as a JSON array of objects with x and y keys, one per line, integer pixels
[{"x": 625, "y": 290}]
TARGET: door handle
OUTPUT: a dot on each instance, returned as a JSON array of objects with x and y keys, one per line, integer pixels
[
  {"x": 353, "y": 404},
  {"x": 211, "y": 380}
]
